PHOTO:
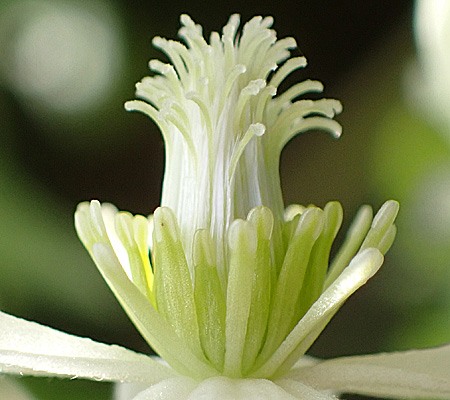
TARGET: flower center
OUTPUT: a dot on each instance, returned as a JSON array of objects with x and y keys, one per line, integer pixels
[{"x": 240, "y": 286}]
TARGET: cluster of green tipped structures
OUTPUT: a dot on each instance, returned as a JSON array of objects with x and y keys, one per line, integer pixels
[
  {"x": 275, "y": 301},
  {"x": 268, "y": 291}
]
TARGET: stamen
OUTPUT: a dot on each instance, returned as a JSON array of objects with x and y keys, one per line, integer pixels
[
  {"x": 263, "y": 99},
  {"x": 204, "y": 110},
  {"x": 287, "y": 68},
  {"x": 290, "y": 280},
  {"x": 319, "y": 259},
  {"x": 230, "y": 81},
  {"x": 253, "y": 49},
  {"x": 152, "y": 112},
  {"x": 173, "y": 287},
  {"x": 168, "y": 71},
  {"x": 386, "y": 242},
  {"x": 310, "y": 123},
  {"x": 168, "y": 47},
  {"x": 353, "y": 239},
  {"x": 263, "y": 278},
  {"x": 252, "y": 89},
  {"x": 243, "y": 246},
  {"x": 295, "y": 91},
  {"x": 96, "y": 222},
  {"x": 125, "y": 232},
  {"x": 253, "y": 130},
  {"x": 229, "y": 34},
  {"x": 292, "y": 211},
  {"x": 381, "y": 224},
  {"x": 279, "y": 51},
  {"x": 209, "y": 300}
]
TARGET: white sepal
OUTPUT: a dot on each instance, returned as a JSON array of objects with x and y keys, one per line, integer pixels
[
  {"x": 33, "y": 349},
  {"x": 413, "y": 374},
  {"x": 223, "y": 388}
]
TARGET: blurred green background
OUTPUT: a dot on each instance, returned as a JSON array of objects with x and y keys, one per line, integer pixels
[{"x": 66, "y": 68}]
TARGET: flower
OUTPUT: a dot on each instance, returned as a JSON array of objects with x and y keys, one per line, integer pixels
[{"x": 227, "y": 286}]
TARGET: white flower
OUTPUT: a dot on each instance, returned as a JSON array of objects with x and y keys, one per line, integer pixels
[{"x": 228, "y": 287}]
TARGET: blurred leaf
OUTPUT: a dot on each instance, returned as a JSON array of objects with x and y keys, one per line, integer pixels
[
  {"x": 57, "y": 389},
  {"x": 43, "y": 265}
]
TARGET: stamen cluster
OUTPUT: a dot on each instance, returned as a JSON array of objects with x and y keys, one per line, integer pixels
[{"x": 224, "y": 126}]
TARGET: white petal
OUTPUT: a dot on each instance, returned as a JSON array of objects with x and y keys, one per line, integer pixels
[
  {"x": 33, "y": 349},
  {"x": 301, "y": 391},
  {"x": 170, "y": 389},
  {"x": 223, "y": 388},
  {"x": 128, "y": 391},
  {"x": 11, "y": 390},
  {"x": 409, "y": 374}
]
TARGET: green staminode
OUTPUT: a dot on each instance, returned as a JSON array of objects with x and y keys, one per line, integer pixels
[{"x": 269, "y": 314}]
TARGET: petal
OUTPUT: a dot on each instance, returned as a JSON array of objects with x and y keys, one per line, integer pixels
[
  {"x": 170, "y": 389},
  {"x": 301, "y": 391},
  {"x": 409, "y": 374},
  {"x": 128, "y": 391},
  {"x": 11, "y": 390},
  {"x": 224, "y": 388},
  {"x": 33, "y": 349}
]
